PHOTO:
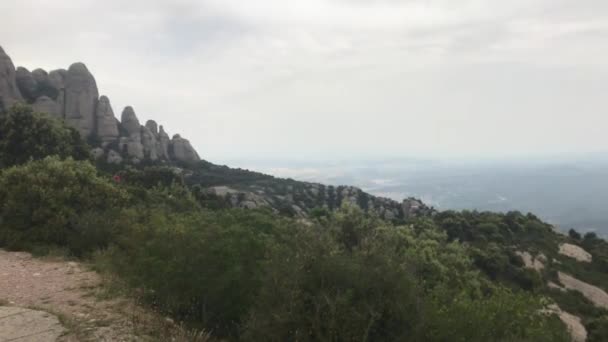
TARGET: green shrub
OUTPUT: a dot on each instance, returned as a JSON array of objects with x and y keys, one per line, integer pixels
[
  {"x": 356, "y": 278},
  {"x": 597, "y": 329},
  {"x": 42, "y": 202},
  {"x": 26, "y": 135},
  {"x": 202, "y": 267},
  {"x": 500, "y": 316}
]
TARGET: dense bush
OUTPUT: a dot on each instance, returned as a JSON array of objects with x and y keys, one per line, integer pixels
[
  {"x": 42, "y": 202},
  {"x": 598, "y": 329},
  {"x": 201, "y": 267},
  {"x": 26, "y": 135},
  {"x": 358, "y": 279}
]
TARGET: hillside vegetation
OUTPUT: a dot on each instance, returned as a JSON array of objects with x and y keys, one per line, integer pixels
[{"x": 341, "y": 270}]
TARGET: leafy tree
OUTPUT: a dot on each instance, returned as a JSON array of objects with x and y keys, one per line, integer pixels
[
  {"x": 574, "y": 234},
  {"x": 26, "y": 135}
]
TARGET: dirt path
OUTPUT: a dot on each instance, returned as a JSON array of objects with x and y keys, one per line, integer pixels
[
  {"x": 25, "y": 325},
  {"x": 67, "y": 290}
]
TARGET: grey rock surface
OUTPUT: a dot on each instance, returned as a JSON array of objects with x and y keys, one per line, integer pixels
[
  {"x": 163, "y": 143},
  {"x": 132, "y": 128},
  {"x": 135, "y": 149},
  {"x": 9, "y": 92},
  {"x": 45, "y": 87},
  {"x": 97, "y": 153},
  {"x": 152, "y": 126},
  {"x": 181, "y": 150},
  {"x": 27, "y": 84},
  {"x": 106, "y": 124},
  {"x": 81, "y": 96},
  {"x": 72, "y": 95},
  {"x": 129, "y": 122},
  {"x": 57, "y": 81},
  {"x": 148, "y": 140},
  {"x": 25, "y": 325},
  {"x": 114, "y": 157},
  {"x": 44, "y": 104}
]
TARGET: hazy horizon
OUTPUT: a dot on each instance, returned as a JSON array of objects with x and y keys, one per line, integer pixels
[
  {"x": 327, "y": 79},
  {"x": 569, "y": 193}
]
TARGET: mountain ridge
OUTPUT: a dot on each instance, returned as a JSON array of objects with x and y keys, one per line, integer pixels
[{"x": 72, "y": 95}]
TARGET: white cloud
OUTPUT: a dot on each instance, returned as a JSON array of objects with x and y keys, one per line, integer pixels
[{"x": 275, "y": 78}]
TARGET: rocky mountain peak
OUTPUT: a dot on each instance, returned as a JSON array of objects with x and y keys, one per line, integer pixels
[
  {"x": 9, "y": 92},
  {"x": 72, "y": 95},
  {"x": 152, "y": 126}
]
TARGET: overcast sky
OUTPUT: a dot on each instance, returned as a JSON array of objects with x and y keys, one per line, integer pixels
[{"x": 338, "y": 78}]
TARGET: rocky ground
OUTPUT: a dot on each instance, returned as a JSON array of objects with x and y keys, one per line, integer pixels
[{"x": 36, "y": 294}]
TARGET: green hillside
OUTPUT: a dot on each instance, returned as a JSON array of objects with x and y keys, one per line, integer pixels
[{"x": 247, "y": 256}]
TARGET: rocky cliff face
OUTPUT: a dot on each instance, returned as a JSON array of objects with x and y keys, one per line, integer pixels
[
  {"x": 9, "y": 93},
  {"x": 72, "y": 95}
]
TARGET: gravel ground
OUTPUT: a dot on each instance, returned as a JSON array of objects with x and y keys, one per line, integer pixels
[{"x": 68, "y": 290}]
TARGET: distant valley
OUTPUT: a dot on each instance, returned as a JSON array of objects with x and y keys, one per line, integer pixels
[{"x": 568, "y": 193}]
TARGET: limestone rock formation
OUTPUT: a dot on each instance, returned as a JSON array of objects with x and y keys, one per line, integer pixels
[
  {"x": 72, "y": 95},
  {"x": 130, "y": 123},
  {"x": 9, "y": 93},
  {"x": 132, "y": 143},
  {"x": 163, "y": 143},
  {"x": 106, "y": 125},
  {"x": 152, "y": 126},
  {"x": 97, "y": 153},
  {"x": 596, "y": 295},
  {"x": 81, "y": 96},
  {"x": 148, "y": 140},
  {"x": 181, "y": 150},
  {"x": 575, "y": 252},
  {"x": 44, "y": 104},
  {"x": 26, "y": 83},
  {"x": 114, "y": 157},
  {"x": 57, "y": 81}
]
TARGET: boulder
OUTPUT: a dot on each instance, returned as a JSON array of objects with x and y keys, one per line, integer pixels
[
  {"x": 129, "y": 123},
  {"x": 35, "y": 84},
  {"x": 45, "y": 87},
  {"x": 27, "y": 84},
  {"x": 163, "y": 144},
  {"x": 106, "y": 123},
  {"x": 97, "y": 153},
  {"x": 44, "y": 104},
  {"x": 9, "y": 92},
  {"x": 114, "y": 157},
  {"x": 596, "y": 295},
  {"x": 575, "y": 252},
  {"x": 132, "y": 147},
  {"x": 181, "y": 150},
  {"x": 152, "y": 126},
  {"x": 132, "y": 143},
  {"x": 57, "y": 80},
  {"x": 81, "y": 96},
  {"x": 148, "y": 140},
  {"x": 135, "y": 149}
]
